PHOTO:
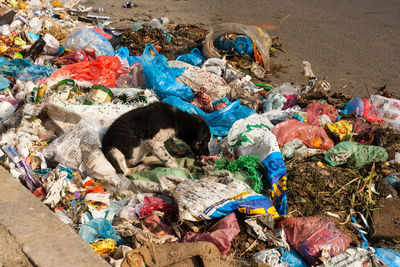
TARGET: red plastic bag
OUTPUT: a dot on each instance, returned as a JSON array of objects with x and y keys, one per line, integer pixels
[
  {"x": 220, "y": 234},
  {"x": 151, "y": 204},
  {"x": 362, "y": 107},
  {"x": 310, "y": 236},
  {"x": 104, "y": 71},
  {"x": 314, "y": 110},
  {"x": 156, "y": 226},
  {"x": 370, "y": 113},
  {"x": 311, "y": 135}
]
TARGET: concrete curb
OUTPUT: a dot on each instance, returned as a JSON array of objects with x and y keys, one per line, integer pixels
[{"x": 44, "y": 239}]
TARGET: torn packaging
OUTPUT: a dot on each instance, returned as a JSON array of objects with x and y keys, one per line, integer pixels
[
  {"x": 218, "y": 196},
  {"x": 151, "y": 127}
]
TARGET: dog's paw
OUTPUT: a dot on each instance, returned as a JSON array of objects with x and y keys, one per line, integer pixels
[{"x": 138, "y": 168}]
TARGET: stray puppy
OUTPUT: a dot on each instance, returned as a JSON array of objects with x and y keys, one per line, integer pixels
[{"x": 145, "y": 129}]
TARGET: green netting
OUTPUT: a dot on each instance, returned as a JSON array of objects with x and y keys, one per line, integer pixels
[{"x": 247, "y": 168}]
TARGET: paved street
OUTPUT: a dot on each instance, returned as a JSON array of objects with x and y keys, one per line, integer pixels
[{"x": 350, "y": 42}]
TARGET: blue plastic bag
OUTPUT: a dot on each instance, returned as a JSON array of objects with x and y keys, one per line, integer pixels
[
  {"x": 98, "y": 228},
  {"x": 160, "y": 77},
  {"x": 4, "y": 83},
  {"x": 35, "y": 72},
  {"x": 10, "y": 68},
  {"x": 355, "y": 106},
  {"x": 88, "y": 38},
  {"x": 293, "y": 258},
  {"x": 240, "y": 44},
  {"x": 122, "y": 52},
  {"x": 195, "y": 57},
  {"x": 220, "y": 121},
  {"x": 390, "y": 257}
]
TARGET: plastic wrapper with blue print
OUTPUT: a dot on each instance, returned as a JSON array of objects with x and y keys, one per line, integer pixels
[
  {"x": 217, "y": 196},
  {"x": 253, "y": 136}
]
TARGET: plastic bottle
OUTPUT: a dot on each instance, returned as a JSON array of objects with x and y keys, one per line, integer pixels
[{"x": 156, "y": 24}]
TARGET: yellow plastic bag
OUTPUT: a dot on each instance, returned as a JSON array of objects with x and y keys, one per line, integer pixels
[
  {"x": 104, "y": 246},
  {"x": 341, "y": 128}
]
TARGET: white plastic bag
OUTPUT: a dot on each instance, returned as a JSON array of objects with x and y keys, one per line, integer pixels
[
  {"x": 271, "y": 257},
  {"x": 52, "y": 45},
  {"x": 80, "y": 148},
  {"x": 389, "y": 109},
  {"x": 252, "y": 136}
]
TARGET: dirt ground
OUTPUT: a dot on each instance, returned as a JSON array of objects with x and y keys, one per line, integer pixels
[{"x": 349, "y": 42}]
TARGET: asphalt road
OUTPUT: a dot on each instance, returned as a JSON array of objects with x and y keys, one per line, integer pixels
[{"x": 350, "y": 42}]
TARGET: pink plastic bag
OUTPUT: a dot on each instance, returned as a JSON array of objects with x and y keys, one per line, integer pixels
[
  {"x": 314, "y": 110},
  {"x": 74, "y": 57},
  {"x": 220, "y": 234},
  {"x": 104, "y": 71},
  {"x": 310, "y": 236},
  {"x": 312, "y": 136},
  {"x": 291, "y": 101},
  {"x": 151, "y": 204}
]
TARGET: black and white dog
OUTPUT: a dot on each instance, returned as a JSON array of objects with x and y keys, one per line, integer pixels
[{"x": 146, "y": 129}]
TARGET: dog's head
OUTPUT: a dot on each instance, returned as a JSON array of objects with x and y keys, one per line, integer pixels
[{"x": 202, "y": 137}]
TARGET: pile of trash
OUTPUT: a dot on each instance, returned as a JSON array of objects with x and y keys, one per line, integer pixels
[{"x": 296, "y": 176}]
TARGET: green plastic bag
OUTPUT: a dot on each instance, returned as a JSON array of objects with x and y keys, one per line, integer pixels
[
  {"x": 356, "y": 155},
  {"x": 154, "y": 174}
]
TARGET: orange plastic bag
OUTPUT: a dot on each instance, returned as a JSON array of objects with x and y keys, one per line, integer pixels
[
  {"x": 104, "y": 71},
  {"x": 312, "y": 136}
]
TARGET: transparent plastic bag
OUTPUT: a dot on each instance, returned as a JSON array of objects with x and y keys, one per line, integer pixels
[
  {"x": 85, "y": 38},
  {"x": 259, "y": 37}
]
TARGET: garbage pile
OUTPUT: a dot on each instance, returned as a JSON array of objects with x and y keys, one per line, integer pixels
[{"x": 296, "y": 176}]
